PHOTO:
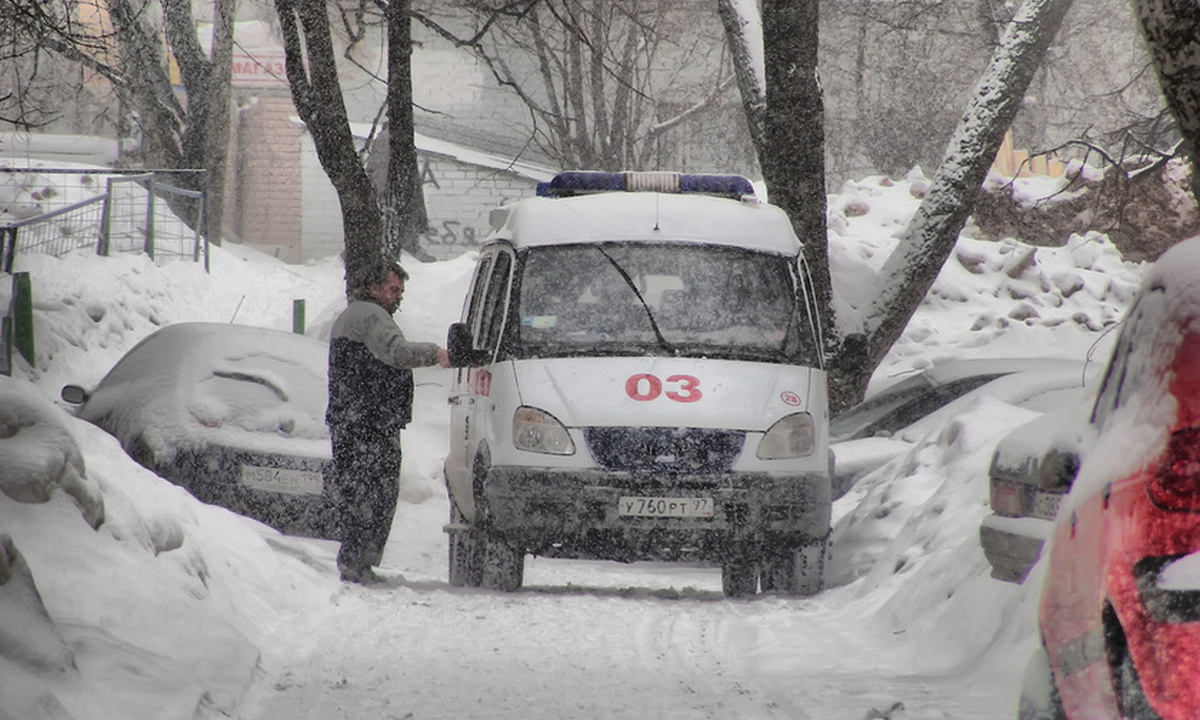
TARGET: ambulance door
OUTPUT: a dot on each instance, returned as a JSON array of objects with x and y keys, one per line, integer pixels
[{"x": 471, "y": 400}]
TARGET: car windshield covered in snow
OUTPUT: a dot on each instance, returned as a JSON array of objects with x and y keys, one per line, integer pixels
[{"x": 653, "y": 298}]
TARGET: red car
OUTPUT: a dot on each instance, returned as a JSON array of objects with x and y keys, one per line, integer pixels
[{"x": 1120, "y": 606}]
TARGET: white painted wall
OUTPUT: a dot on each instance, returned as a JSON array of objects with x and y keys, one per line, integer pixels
[{"x": 321, "y": 226}]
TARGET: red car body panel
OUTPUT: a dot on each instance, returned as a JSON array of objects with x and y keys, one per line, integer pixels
[{"x": 1111, "y": 540}]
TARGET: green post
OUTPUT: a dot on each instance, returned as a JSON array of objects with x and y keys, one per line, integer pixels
[
  {"x": 298, "y": 316},
  {"x": 6, "y": 346},
  {"x": 23, "y": 315}
]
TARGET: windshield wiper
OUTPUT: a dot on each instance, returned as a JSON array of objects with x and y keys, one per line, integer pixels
[
  {"x": 731, "y": 352},
  {"x": 633, "y": 286}
]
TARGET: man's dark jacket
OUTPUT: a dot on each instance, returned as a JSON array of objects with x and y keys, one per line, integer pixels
[{"x": 370, "y": 375}]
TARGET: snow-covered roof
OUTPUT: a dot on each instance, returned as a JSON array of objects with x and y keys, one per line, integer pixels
[
  {"x": 463, "y": 154},
  {"x": 482, "y": 159},
  {"x": 74, "y": 148},
  {"x": 649, "y": 217}
]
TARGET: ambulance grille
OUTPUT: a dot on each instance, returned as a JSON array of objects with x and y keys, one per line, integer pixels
[{"x": 665, "y": 450}]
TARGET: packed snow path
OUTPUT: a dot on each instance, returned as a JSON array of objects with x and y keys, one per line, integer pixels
[{"x": 593, "y": 640}]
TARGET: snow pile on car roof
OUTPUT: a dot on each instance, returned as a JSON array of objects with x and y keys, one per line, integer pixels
[
  {"x": 1136, "y": 433},
  {"x": 192, "y": 384}
]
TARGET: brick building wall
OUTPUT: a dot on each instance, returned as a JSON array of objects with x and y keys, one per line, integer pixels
[
  {"x": 282, "y": 202},
  {"x": 264, "y": 192},
  {"x": 459, "y": 195}
]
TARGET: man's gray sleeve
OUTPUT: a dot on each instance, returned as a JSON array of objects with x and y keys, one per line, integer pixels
[{"x": 372, "y": 326}]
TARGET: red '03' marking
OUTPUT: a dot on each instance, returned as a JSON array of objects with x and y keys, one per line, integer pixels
[{"x": 645, "y": 387}]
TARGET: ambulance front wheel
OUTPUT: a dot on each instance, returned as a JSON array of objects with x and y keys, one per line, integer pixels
[
  {"x": 501, "y": 564},
  {"x": 478, "y": 558}
]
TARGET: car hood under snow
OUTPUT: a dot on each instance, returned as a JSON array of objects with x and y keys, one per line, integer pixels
[{"x": 191, "y": 385}]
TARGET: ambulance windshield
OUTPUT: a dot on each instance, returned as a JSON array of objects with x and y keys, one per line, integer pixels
[{"x": 672, "y": 299}]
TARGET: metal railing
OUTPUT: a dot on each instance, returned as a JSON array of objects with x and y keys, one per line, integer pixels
[
  {"x": 54, "y": 233},
  {"x": 133, "y": 214}
]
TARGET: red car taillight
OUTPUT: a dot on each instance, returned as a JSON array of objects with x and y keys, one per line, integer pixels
[
  {"x": 1175, "y": 484},
  {"x": 1007, "y": 498}
]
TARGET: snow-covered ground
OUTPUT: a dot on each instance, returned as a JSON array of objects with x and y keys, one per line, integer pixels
[{"x": 122, "y": 597}]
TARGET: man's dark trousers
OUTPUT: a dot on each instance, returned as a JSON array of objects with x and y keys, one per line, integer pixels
[{"x": 367, "y": 464}]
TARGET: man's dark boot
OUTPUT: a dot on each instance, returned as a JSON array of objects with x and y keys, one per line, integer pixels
[{"x": 362, "y": 576}]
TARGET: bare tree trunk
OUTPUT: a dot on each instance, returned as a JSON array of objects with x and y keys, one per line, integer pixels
[
  {"x": 909, "y": 272},
  {"x": 317, "y": 95},
  {"x": 743, "y": 30},
  {"x": 404, "y": 215},
  {"x": 216, "y": 150},
  {"x": 148, "y": 89},
  {"x": 793, "y": 164},
  {"x": 175, "y": 134},
  {"x": 1172, "y": 32},
  {"x": 207, "y": 79},
  {"x": 787, "y": 123}
]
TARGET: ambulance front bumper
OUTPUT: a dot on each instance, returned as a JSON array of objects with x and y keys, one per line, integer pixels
[{"x": 626, "y": 516}]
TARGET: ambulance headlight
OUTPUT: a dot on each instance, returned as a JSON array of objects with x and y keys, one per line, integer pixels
[
  {"x": 790, "y": 437},
  {"x": 540, "y": 432}
]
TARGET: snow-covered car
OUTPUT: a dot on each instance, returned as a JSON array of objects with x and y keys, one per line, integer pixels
[
  {"x": 885, "y": 425},
  {"x": 232, "y": 413},
  {"x": 641, "y": 379},
  {"x": 1119, "y": 612},
  {"x": 1030, "y": 473}
]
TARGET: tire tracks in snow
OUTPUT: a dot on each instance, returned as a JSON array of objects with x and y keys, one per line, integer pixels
[{"x": 424, "y": 651}]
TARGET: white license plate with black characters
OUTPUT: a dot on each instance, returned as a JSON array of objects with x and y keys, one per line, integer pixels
[
  {"x": 282, "y": 480},
  {"x": 636, "y": 506}
]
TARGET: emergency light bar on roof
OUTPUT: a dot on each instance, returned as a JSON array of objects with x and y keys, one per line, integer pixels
[{"x": 568, "y": 184}]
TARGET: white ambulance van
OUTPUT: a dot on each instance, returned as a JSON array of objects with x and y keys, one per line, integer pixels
[{"x": 640, "y": 377}]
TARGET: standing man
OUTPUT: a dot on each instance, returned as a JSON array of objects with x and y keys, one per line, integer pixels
[{"x": 370, "y": 401}]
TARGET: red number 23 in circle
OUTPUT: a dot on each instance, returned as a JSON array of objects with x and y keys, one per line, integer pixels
[{"x": 644, "y": 387}]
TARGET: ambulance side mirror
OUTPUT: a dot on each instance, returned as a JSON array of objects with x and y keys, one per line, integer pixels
[
  {"x": 461, "y": 347},
  {"x": 74, "y": 394}
]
